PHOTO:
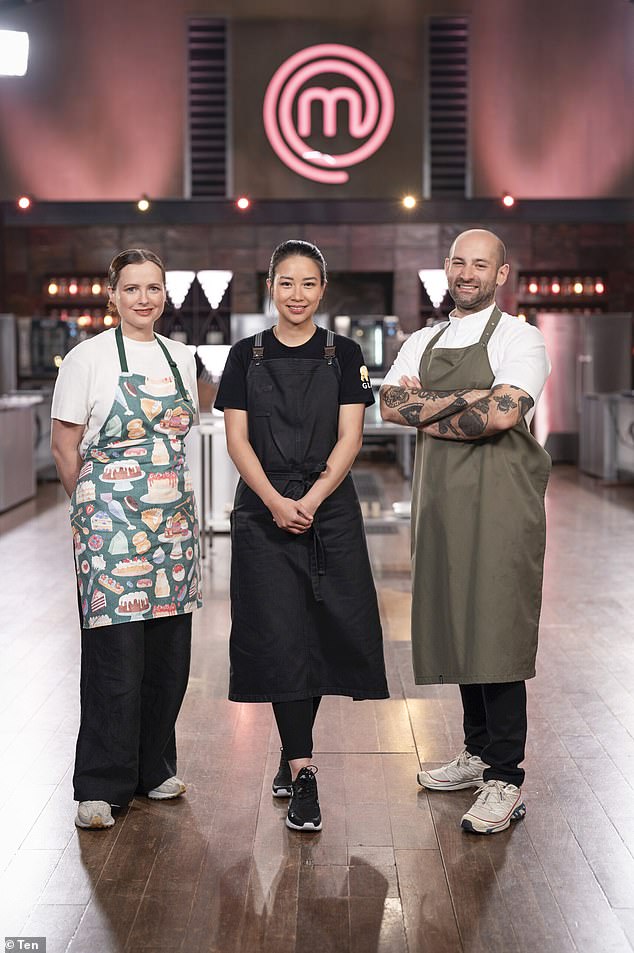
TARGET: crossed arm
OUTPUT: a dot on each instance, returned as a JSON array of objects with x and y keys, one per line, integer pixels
[{"x": 454, "y": 415}]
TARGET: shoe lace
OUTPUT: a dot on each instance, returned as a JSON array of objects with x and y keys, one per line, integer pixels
[
  {"x": 305, "y": 782},
  {"x": 490, "y": 790}
]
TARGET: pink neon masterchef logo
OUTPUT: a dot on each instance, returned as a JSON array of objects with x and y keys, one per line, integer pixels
[{"x": 370, "y": 109}]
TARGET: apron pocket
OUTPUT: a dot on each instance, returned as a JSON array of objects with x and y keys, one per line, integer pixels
[{"x": 263, "y": 394}]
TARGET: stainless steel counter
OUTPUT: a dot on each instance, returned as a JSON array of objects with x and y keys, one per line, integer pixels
[{"x": 17, "y": 454}]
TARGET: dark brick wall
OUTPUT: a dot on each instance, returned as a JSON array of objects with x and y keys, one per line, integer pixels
[{"x": 32, "y": 254}]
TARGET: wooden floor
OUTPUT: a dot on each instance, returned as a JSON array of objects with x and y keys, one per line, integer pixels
[{"x": 391, "y": 870}]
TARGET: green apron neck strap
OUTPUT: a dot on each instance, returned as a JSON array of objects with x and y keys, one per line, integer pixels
[
  {"x": 436, "y": 337},
  {"x": 123, "y": 361},
  {"x": 492, "y": 324},
  {"x": 172, "y": 363}
]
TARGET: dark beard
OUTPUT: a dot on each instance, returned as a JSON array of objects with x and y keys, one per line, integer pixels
[{"x": 483, "y": 298}]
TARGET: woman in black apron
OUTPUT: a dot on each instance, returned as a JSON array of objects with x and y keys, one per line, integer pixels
[{"x": 305, "y": 619}]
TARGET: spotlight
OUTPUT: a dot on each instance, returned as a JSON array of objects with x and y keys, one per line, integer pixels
[
  {"x": 108, "y": 320},
  {"x": 521, "y": 316},
  {"x": 599, "y": 287},
  {"x": 96, "y": 288},
  {"x": 73, "y": 287},
  {"x": 409, "y": 202},
  {"x": 24, "y": 202},
  {"x": 533, "y": 287},
  {"x": 84, "y": 320},
  {"x": 143, "y": 204},
  {"x": 555, "y": 288},
  {"x": 243, "y": 203},
  {"x": 578, "y": 287},
  {"x": 507, "y": 200},
  {"x": 53, "y": 288},
  {"x": 14, "y": 52}
]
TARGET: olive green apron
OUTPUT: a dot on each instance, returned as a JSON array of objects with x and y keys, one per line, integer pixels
[{"x": 478, "y": 536}]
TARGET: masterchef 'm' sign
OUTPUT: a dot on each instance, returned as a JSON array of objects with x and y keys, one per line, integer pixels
[{"x": 302, "y": 101}]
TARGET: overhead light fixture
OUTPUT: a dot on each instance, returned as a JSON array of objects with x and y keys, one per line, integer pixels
[
  {"x": 435, "y": 284},
  {"x": 214, "y": 284},
  {"x": 143, "y": 204},
  {"x": 178, "y": 284},
  {"x": 508, "y": 200},
  {"x": 14, "y": 52},
  {"x": 243, "y": 203},
  {"x": 24, "y": 202},
  {"x": 409, "y": 202}
]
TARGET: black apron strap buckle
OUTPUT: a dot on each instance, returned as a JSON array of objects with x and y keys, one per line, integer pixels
[
  {"x": 258, "y": 348},
  {"x": 330, "y": 348}
]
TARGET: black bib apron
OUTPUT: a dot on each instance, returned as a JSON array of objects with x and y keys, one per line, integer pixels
[{"x": 305, "y": 619}]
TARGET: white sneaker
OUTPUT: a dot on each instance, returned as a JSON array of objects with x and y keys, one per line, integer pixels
[
  {"x": 173, "y": 787},
  {"x": 94, "y": 815},
  {"x": 465, "y": 771},
  {"x": 496, "y": 805}
]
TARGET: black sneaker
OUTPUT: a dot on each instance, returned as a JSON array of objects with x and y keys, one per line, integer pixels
[
  {"x": 303, "y": 811},
  {"x": 282, "y": 784}
]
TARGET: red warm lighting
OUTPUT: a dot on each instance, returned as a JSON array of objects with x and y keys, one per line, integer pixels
[
  {"x": 508, "y": 201},
  {"x": 243, "y": 202},
  {"x": 599, "y": 287},
  {"x": 533, "y": 287},
  {"x": 24, "y": 202},
  {"x": 555, "y": 287},
  {"x": 84, "y": 320},
  {"x": 73, "y": 288}
]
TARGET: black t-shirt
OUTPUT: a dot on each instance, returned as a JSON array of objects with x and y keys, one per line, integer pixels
[{"x": 354, "y": 387}]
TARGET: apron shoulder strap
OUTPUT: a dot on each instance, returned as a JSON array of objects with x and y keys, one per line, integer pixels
[
  {"x": 123, "y": 361},
  {"x": 330, "y": 349},
  {"x": 492, "y": 324},
  {"x": 258, "y": 348},
  {"x": 174, "y": 367},
  {"x": 436, "y": 337}
]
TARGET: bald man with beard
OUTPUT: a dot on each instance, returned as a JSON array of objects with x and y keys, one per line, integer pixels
[{"x": 470, "y": 387}]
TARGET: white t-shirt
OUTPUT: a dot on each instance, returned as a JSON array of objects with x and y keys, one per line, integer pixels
[
  {"x": 516, "y": 351},
  {"x": 87, "y": 380}
]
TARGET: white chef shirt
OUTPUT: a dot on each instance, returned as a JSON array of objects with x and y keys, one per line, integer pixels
[
  {"x": 516, "y": 351},
  {"x": 88, "y": 377}
]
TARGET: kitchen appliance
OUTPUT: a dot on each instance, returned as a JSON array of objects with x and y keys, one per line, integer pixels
[
  {"x": 590, "y": 354},
  {"x": 8, "y": 354}
]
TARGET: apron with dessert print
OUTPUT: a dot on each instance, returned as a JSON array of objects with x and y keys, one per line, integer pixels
[{"x": 133, "y": 512}]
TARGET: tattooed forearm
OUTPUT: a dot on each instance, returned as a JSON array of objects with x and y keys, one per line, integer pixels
[
  {"x": 526, "y": 403},
  {"x": 394, "y": 396},
  {"x": 411, "y": 414},
  {"x": 417, "y": 407},
  {"x": 485, "y": 417}
]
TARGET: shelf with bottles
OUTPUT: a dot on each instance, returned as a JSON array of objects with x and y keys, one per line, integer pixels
[
  {"x": 79, "y": 302},
  {"x": 573, "y": 291}
]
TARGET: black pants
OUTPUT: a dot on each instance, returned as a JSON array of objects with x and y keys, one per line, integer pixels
[
  {"x": 495, "y": 728},
  {"x": 295, "y": 722},
  {"x": 133, "y": 679}
]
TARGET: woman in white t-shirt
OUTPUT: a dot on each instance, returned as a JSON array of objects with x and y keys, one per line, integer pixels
[{"x": 123, "y": 403}]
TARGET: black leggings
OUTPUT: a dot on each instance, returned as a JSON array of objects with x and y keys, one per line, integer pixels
[{"x": 295, "y": 722}]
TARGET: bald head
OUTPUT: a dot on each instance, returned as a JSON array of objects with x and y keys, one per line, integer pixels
[
  {"x": 490, "y": 244},
  {"x": 475, "y": 268}
]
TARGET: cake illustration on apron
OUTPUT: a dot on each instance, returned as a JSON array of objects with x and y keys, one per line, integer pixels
[{"x": 133, "y": 511}]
